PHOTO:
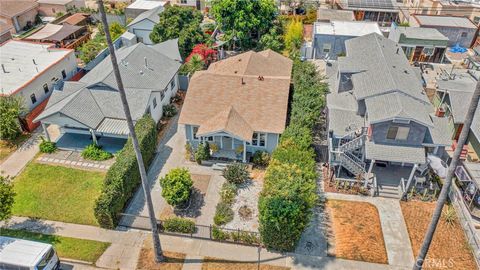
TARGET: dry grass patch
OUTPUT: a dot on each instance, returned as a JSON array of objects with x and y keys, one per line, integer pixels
[
  {"x": 357, "y": 231},
  {"x": 449, "y": 248},
  {"x": 173, "y": 260},
  {"x": 210, "y": 263}
]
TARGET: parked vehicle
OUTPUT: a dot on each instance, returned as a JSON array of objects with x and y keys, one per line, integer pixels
[{"x": 18, "y": 254}]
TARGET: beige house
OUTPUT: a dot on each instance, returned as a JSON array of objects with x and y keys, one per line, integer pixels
[
  {"x": 18, "y": 14},
  {"x": 52, "y": 7}
]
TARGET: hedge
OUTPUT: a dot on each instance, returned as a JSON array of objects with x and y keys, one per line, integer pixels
[
  {"x": 123, "y": 177},
  {"x": 289, "y": 191},
  {"x": 178, "y": 224}
]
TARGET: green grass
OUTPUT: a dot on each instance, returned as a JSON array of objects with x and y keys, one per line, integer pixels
[
  {"x": 66, "y": 247},
  {"x": 57, "y": 193}
]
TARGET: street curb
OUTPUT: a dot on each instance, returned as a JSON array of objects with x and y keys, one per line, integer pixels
[{"x": 68, "y": 260}]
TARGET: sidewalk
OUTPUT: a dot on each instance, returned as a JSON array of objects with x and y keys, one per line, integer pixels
[
  {"x": 397, "y": 241},
  {"x": 14, "y": 164},
  {"x": 123, "y": 252}
]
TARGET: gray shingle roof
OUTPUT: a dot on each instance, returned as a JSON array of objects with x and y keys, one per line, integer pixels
[
  {"x": 447, "y": 21},
  {"x": 422, "y": 33},
  {"x": 169, "y": 48},
  {"x": 95, "y": 98},
  {"x": 151, "y": 15},
  {"x": 440, "y": 133},
  {"x": 395, "y": 153}
]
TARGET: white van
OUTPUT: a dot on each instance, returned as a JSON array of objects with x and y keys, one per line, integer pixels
[{"x": 17, "y": 254}]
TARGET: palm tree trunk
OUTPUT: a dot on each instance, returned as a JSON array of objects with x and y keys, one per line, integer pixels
[
  {"x": 448, "y": 182},
  {"x": 143, "y": 174}
]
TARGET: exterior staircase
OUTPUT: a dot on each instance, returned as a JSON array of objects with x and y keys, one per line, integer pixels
[
  {"x": 346, "y": 155},
  {"x": 389, "y": 192}
]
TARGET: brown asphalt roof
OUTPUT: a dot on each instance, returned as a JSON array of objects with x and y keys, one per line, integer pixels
[
  {"x": 11, "y": 8},
  {"x": 249, "y": 90},
  {"x": 4, "y": 27},
  {"x": 75, "y": 18}
]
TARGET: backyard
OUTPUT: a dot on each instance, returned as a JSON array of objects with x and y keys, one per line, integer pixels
[
  {"x": 8, "y": 147},
  {"x": 449, "y": 248},
  {"x": 66, "y": 247},
  {"x": 357, "y": 232},
  {"x": 57, "y": 193}
]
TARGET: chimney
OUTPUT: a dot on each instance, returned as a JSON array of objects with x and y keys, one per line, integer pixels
[{"x": 3, "y": 68}]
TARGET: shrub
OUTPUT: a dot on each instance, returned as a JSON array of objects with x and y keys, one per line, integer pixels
[
  {"x": 213, "y": 147},
  {"x": 261, "y": 158},
  {"x": 176, "y": 186},
  {"x": 236, "y": 173},
  {"x": 228, "y": 193},
  {"x": 178, "y": 224},
  {"x": 123, "y": 177},
  {"x": 245, "y": 237},
  {"x": 223, "y": 214},
  {"x": 47, "y": 147},
  {"x": 94, "y": 152},
  {"x": 203, "y": 152},
  {"x": 169, "y": 110},
  {"x": 219, "y": 234},
  {"x": 189, "y": 155}
]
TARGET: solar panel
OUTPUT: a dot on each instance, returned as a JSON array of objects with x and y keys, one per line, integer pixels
[{"x": 372, "y": 4}]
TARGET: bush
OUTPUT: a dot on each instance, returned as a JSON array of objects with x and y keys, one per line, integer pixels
[
  {"x": 123, "y": 177},
  {"x": 236, "y": 173},
  {"x": 177, "y": 224},
  {"x": 228, "y": 193},
  {"x": 223, "y": 214},
  {"x": 203, "y": 152},
  {"x": 169, "y": 110},
  {"x": 176, "y": 186},
  {"x": 47, "y": 147},
  {"x": 94, "y": 152},
  {"x": 219, "y": 234},
  {"x": 261, "y": 158},
  {"x": 245, "y": 237},
  {"x": 189, "y": 155}
]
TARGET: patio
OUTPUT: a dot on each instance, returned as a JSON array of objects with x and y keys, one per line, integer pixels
[{"x": 77, "y": 142}]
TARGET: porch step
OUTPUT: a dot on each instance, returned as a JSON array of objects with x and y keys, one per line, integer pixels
[
  {"x": 389, "y": 192},
  {"x": 219, "y": 166}
]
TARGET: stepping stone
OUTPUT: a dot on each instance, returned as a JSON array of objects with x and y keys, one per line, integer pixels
[
  {"x": 68, "y": 161},
  {"x": 62, "y": 161},
  {"x": 50, "y": 160},
  {"x": 96, "y": 165},
  {"x": 56, "y": 160}
]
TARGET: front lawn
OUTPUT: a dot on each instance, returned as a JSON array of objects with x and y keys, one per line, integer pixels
[
  {"x": 57, "y": 193},
  {"x": 8, "y": 147},
  {"x": 66, "y": 247}
]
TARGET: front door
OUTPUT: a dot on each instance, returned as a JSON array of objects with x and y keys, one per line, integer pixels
[{"x": 227, "y": 143}]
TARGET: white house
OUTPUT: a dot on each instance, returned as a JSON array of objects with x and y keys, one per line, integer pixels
[
  {"x": 139, "y": 6},
  {"x": 143, "y": 24},
  {"x": 31, "y": 69},
  {"x": 91, "y": 109}
]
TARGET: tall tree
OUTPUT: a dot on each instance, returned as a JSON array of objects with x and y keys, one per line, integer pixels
[
  {"x": 141, "y": 166},
  {"x": 244, "y": 20},
  {"x": 182, "y": 23},
  {"x": 442, "y": 198},
  {"x": 294, "y": 35},
  {"x": 6, "y": 198},
  {"x": 11, "y": 107}
]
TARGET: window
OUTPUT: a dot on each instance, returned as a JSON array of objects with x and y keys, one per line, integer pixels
[
  {"x": 64, "y": 74},
  {"x": 210, "y": 138},
  {"x": 154, "y": 102},
  {"x": 327, "y": 47},
  {"x": 476, "y": 20},
  {"x": 172, "y": 84},
  {"x": 464, "y": 34},
  {"x": 162, "y": 93},
  {"x": 45, "y": 260},
  {"x": 45, "y": 88},
  {"x": 398, "y": 133},
  {"x": 258, "y": 139},
  {"x": 194, "y": 133},
  {"x": 33, "y": 98},
  {"x": 183, "y": 1}
]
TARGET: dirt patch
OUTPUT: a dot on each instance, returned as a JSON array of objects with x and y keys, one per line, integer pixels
[
  {"x": 210, "y": 263},
  {"x": 449, "y": 248},
  {"x": 197, "y": 200},
  {"x": 174, "y": 260},
  {"x": 357, "y": 231}
]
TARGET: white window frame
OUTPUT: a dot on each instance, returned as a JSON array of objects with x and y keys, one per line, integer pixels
[
  {"x": 401, "y": 134},
  {"x": 172, "y": 83},
  {"x": 154, "y": 102},
  {"x": 258, "y": 135}
]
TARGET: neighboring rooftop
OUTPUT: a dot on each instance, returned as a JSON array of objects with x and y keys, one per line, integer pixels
[
  {"x": 151, "y": 15},
  {"x": 55, "y": 32},
  {"x": 422, "y": 33},
  {"x": 4, "y": 27},
  {"x": 346, "y": 28},
  {"x": 10, "y": 8},
  {"x": 75, "y": 18},
  {"x": 23, "y": 61},
  {"x": 327, "y": 15},
  {"x": 54, "y": 2},
  {"x": 446, "y": 21},
  {"x": 146, "y": 4},
  {"x": 93, "y": 101},
  {"x": 370, "y": 5},
  {"x": 241, "y": 94}
]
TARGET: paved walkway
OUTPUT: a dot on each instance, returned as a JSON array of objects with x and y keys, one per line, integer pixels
[
  {"x": 123, "y": 252},
  {"x": 395, "y": 234},
  {"x": 74, "y": 159}
]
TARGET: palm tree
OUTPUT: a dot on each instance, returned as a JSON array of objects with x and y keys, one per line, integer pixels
[
  {"x": 448, "y": 182},
  {"x": 143, "y": 174},
  {"x": 196, "y": 63}
]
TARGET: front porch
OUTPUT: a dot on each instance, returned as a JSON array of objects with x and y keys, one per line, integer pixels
[
  {"x": 78, "y": 142},
  {"x": 225, "y": 147}
]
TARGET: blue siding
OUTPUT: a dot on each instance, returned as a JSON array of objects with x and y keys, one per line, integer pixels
[{"x": 416, "y": 136}]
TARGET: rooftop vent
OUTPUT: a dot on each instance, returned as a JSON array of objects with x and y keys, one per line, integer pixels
[
  {"x": 243, "y": 82},
  {"x": 260, "y": 78}
]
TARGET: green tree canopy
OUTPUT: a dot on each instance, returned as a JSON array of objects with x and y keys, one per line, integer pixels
[
  {"x": 10, "y": 109},
  {"x": 176, "y": 186},
  {"x": 244, "y": 19},
  {"x": 6, "y": 198},
  {"x": 272, "y": 40},
  {"x": 182, "y": 23}
]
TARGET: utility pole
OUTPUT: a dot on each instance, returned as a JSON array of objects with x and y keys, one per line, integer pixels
[
  {"x": 143, "y": 174},
  {"x": 442, "y": 198}
]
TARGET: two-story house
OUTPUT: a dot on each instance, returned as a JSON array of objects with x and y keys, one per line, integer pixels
[{"x": 380, "y": 122}]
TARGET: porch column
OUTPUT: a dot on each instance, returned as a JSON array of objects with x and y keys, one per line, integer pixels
[
  {"x": 372, "y": 162},
  {"x": 244, "y": 151},
  {"x": 47, "y": 136},
  {"x": 94, "y": 137},
  {"x": 415, "y": 166},
  {"x": 221, "y": 142}
]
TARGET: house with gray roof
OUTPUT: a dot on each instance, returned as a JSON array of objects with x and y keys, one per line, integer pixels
[
  {"x": 381, "y": 124},
  {"x": 91, "y": 110},
  {"x": 143, "y": 24},
  {"x": 420, "y": 44}
]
